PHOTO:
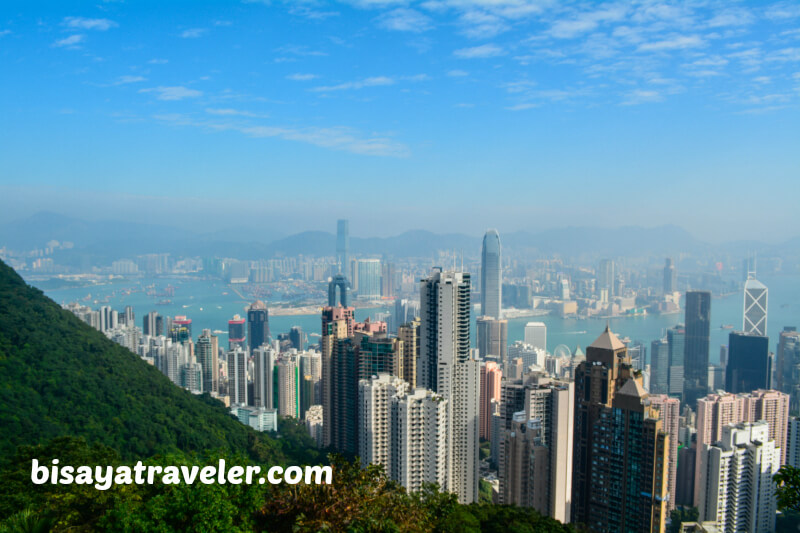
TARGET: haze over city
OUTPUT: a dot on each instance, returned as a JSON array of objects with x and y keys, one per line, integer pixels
[{"x": 512, "y": 114}]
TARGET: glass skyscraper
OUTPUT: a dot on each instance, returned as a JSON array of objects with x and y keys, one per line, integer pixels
[
  {"x": 698, "y": 337},
  {"x": 491, "y": 275}
]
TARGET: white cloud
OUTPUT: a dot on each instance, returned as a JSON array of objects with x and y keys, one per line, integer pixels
[
  {"x": 172, "y": 93},
  {"x": 675, "y": 42},
  {"x": 403, "y": 19},
  {"x": 122, "y": 80},
  {"x": 374, "y": 81},
  {"x": 70, "y": 42},
  {"x": 228, "y": 112},
  {"x": 89, "y": 24},
  {"x": 522, "y": 107},
  {"x": 301, "y": 77},
  {"x": 482, "y": 25},
  {"x": 457, "y": 73},
  {"x": 193, "y": 33},
  {"x": 731, "y": 17},
  {"x": 158, "y": 61},
  {"x": 3, "y": 33},
  {"x": 476, "y": 52},
  {"x": 640, "y": 96}
]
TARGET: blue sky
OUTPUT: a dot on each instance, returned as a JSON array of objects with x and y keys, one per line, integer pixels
[{"x": 448, "y": 115}]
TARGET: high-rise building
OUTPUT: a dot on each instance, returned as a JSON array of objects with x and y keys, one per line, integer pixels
[
  {"x": 379, "y": 354},
  {"x": 606, "y": 276},
  {"x": 387, "y": 280},
  {"x": 698, "y": 337},
  {"x": 408, "y": 332},
  {"x": 369, "y": 279},
  {"x": 669, "y": 410},
  {"x": 749, "y": 363},
  {"x": 736, "y": 487},
  {"x": 536, "y": 452},
  {"x": 659, "y": 367},
  {"x": 257, "y": 325},
  {"x": 793, "y": 442},
  {"x": 491, "y": 376},
  {"x": 288, "y": 386},
  {"x": 787, "y": 363},
  {"x": 264, "y": 377},
  {"x": 181, "y": 329},
  {"x": 342, "y": 247},
  {"x": 375, "y": 419},
  {"x": 338, "y": 291},
  {"x": 621, "y": 450},
  {"x": 716, "y": 411},
  {"x": 670, "y": 277},
  {"x": 447, "y": 367},
  {"x": 676, "y": 344},
  {"x": 492, "y": 336},
  {"x": 297, "y": 338},
  {"x": 236, "y": 332},
  {"x": 149, "y": 324},
  {"x": 237, "y": 376},
  {"x": 536, "y": 335},
  {"x": 491, "y": 275},
  {"x": 207, "y": 350},
  {"x": 529, "y": 355},
  {"x": 755, "y": 308}
]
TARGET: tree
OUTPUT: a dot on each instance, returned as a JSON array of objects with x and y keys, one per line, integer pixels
[{"x": 788, "y": 490}]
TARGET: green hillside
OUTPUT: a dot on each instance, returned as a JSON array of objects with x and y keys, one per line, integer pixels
[{"x": 59, "y": 376}]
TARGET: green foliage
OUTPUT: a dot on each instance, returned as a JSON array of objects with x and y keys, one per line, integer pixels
[
  {"x": 788, "y": 480},
  {"x": 485, "y": 492},
  {"x": 682, "y": 514}
]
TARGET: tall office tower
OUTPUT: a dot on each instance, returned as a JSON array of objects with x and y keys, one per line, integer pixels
[
  {"x": 659, "y": 367},
  {"x": 192, "y": 376},
  {"x": 542, "y": 432},
  {"x": 491, "y": 376},
  {"x": 536, "y": 335},
  {"x": 375, "y": 418},
  {"x": 564, "y": 289},
  {"x": 237, "y": 376},
  {"x": 755, "y": 307},
  {"x": 161, "y": 326},
  {"x": 409, "y": 333},
  {"x": 236, "y": 332},
  {"x": 793, "y": 442},
  {"x": 736, "y": 487},
  {"x": 127, "y": 317},
  {"x": 621, "y": 450},
  {"x": 492, "y": 337},
  {"x": 175, "y": 357},
  {"x": 606, "y": 276},
  {"x": 669, "y": 410},
  {"x": 369, "y": 279},
  {"x": 670, "y": 277},
  {"x": 334, "y": 327},
  {"x": 716, "y": 411},
  {"x": 387, "y": 280},
  {"x": 380, "y": 354},
  {"x": 297, "y": 338},
  {"x": 149, "y": 324},
  {"x": 181, "y": 329},
  {"x": 749, "y": 363},
  {"x": 695, "y": 356},
  {"x": 676, "y": 344},
  {"x": 257, "y": 325},
  {"x": 264, "y": 377},
  {"x": 491, "y": 275},
  {"x": 447, "y": 367},
  {"x": 207, "y": 350},
  {"x": 288, "y": 386},
  {"x": 342, "y": 247},
  {"x": 109, "y": 318},
  {"x": 311, "y": 368},
  {"x": 787, "y": 374}
]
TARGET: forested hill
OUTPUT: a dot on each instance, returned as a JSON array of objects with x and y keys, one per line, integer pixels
[{"x": 59, "y": 376}]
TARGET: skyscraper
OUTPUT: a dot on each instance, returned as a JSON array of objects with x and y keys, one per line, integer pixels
[
  {"x": 369, "y": 279},
  {"x": 264, "y": 377},
  {"x": 668, "y": 411},
  {"x": 676, "y": 345},
  {"x": 787, "y": 375},
  {"x": 447, "y": 367},
  {"x": 698, "y": 336},
  {"x": 606, "y": 276},
  {"x": 297, "y": 337},
  {"x": 237, "y": 376},
  {"x": 342, "y": 246},
  {"x": 670, "y": 277},
  {"x": 409, "y": 334},
  {"x": 755, "y": 307},
  {"x": 491, "y": 376},
  {"x": 207, "y": 350},
  {"x": 236, "y": 332},
  {"x": 288, "y": 386},
  {"x": 536, "y": 335},
  {"x": 621, "y": 449},
  {"x": 736, "y": 487},
  {"x": 491, "y": 275},
  {"x": 492, "y": 337},
  {"x": 257, "y": 325},
  {"x": 749, "y": 363},
  {"x": 659, "y": 367}
]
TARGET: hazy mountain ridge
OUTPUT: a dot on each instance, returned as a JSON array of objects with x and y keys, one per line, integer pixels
[{"x": 99, "y": 243}]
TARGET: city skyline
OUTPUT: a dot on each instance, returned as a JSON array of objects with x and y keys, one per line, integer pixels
[{"x": 564, "y": 104}]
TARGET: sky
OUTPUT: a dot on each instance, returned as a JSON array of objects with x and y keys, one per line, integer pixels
[{"x": 446, "y": 115}]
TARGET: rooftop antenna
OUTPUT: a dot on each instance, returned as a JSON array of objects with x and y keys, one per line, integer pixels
[
  {"x": 454, "y": 260},
  {"x": 462, "y": 260}
]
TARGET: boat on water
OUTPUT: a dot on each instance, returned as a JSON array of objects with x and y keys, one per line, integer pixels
[
  {"x": 726, "y": 326},
  {"x": 164, "y": 302}
]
